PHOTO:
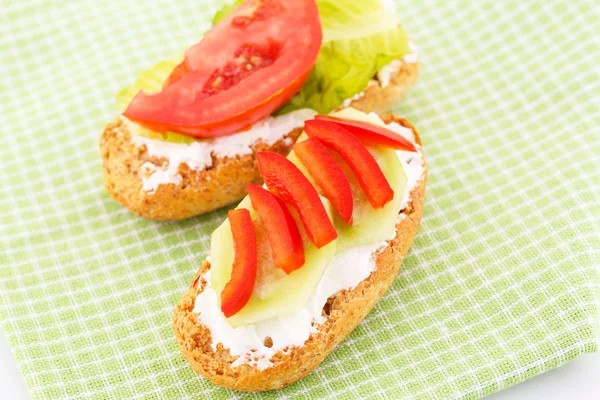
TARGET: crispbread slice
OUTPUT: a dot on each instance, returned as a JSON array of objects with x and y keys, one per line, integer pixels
[
  {"x": 343, "y": 313},
  {"x": 225, "y": 182}
]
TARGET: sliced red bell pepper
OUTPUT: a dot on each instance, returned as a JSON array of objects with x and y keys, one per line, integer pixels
[
  {"x": 238, "y": 290},
  {"x": 371, "y": 134},
  {"x": 284, "y": 236},
  {"x": 285, "y": 180},
  {"x": 368, "y": 173},
  {"x": 328, "y": 175}
]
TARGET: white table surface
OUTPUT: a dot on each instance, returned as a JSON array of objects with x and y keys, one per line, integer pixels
[{"x": 578, "y": 380}]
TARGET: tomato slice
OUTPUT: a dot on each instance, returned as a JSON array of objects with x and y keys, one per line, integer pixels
[
  {"x": 284, "y": 179},
  {"x": 371, "y": 134},
  {"x": 328, "y": 175},
  {"x": 248, "y": 65},
  {"x": 368, "y": 173},
  {"x": 284, "y": 236},
  {"x": 238, "y": 290}
]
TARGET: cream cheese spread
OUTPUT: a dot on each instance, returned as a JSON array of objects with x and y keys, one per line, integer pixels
[
  {"x": 384, "y": 75},
  {"x": 198, "y": 155},
  {"x": 346, "y": 103},
  {"x": 345, "y": 271}
]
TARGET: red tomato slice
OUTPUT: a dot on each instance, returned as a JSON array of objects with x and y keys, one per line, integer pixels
[
  {"x": 371, "y": 134},
  {"x": 245, "y": 67},
  {"x": 238, "y": 290},
  {"x": 370, "y": 177},
  {"x": 284, "y": 236},
  {"x": 328, "y": 174},
  {"x": 285, "y": 180}
]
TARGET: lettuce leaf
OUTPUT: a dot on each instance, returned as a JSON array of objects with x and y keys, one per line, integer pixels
[
  {"x": 359, "y": 38},
  {"x": 344, "y": 68}
]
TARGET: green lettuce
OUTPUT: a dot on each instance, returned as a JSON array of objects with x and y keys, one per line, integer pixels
[
  {"x": 359, "y": 38},
  {"x": 344, "y": 68}
]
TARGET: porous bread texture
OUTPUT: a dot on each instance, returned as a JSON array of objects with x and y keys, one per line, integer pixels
[
  {"x": 343, "y": 313},
  {"x": 225, "y": 181}
]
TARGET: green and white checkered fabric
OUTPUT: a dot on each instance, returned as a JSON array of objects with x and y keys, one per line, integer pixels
[{"x": 502, "y": 282}]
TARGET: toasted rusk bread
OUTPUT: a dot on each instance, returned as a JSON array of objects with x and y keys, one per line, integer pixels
[
  {"x": 225, "y": 181},
  {"x": 343, "y": 312}
]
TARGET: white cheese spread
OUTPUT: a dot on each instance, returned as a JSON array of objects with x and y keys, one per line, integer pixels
[
  {"x": 384, "y": 75},
  {"x": 198, "y": 155},
  {"x": 346, "y": 103},
  {"x": 345, "y": 271}
]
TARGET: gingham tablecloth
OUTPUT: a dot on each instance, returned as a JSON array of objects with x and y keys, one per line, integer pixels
[{"x": 502, "y": 281}]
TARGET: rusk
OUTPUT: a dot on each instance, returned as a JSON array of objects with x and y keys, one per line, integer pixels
[
  {"x": 224, "y": 182},
  {"x": 343, "y": 313}
]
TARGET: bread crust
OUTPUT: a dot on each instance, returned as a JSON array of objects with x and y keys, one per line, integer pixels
[
  {"x": 344, "y": 312},
  {"x": 217, "y": 186}
]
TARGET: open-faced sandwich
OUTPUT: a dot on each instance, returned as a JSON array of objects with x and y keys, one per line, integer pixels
[
  {"x": 191, "y": 126},
  {"x": 302, "y": 260}
]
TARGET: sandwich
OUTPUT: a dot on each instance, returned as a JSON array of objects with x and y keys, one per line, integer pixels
[
  {"x": 301, "y": 260},
  {"x": 190, "y": 127}
]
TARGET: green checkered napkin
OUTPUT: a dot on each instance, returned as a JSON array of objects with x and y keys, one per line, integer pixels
[{"x": 502, "y": 282}]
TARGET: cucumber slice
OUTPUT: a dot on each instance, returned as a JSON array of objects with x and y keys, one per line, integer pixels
[
  {"x": 370, "y": 225},
  {"x": 275, "y": 293}
]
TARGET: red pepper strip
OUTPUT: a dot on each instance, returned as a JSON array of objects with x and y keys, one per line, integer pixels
[
  {"x": 371, "y": 134},
  {"x": 238, "y": 290},
  {"x": 284, "y": 236},
  {"x": 285, "y": 180},
  {"x": 328, "y": 175},
  {"x": 370, "y": 177}
]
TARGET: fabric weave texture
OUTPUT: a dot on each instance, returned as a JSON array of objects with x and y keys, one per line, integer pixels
[{"x": 502, "y": 282}]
